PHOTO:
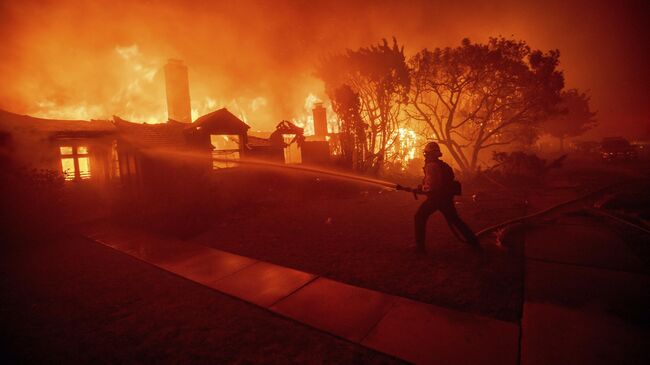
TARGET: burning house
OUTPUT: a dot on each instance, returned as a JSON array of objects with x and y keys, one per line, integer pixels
[
  {"x": 103, "y": 151},
  {"x": 81, "y": 150},
  {"x": 100, "y": 152},
  {"x": 225, "y": 135}
]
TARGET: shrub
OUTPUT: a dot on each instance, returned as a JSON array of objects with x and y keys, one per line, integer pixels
[
  {"x": 521, "y": 167},
  {"x": 179, "y": 206},
  {"x": 32, "y": 201}
]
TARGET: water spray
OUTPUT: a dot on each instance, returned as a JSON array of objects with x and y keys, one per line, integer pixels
[
  {"x": 312, "y": 170},
  {"x": 377, "y": 182},
  {"x": 320, "y": 171},
  {"x": 275, "y": 165}
]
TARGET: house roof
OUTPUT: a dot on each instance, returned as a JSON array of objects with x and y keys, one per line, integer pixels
[
  {"x": 24, "y": 124},
  {"x": 220, "y": 122},
  {"x": 170, "y": 134},
  {"x": 258, "y": 142}
]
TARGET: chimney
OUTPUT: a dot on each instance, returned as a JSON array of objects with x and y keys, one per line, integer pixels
[
  {"x": 320, "y": 121},
  {"x": 178, "y": 92}
]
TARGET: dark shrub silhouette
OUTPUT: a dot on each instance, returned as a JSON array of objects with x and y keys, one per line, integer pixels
[{"x": 32, "y": 201}]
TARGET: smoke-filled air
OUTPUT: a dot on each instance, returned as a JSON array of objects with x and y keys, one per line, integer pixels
[{"x": 95, "y": 59}]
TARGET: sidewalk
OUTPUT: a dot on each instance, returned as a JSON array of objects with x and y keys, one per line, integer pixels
[
  {"x": 586, "y": 300},
  {"x": 414, "y": 331}
]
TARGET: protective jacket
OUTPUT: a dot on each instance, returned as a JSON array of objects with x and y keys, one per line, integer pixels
[{"x": 438, "y": 179}]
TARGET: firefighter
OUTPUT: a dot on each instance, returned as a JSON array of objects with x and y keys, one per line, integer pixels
[{"x": 440, "y": 187}]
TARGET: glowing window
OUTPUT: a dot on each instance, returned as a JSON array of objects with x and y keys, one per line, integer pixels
[
  {"x": 75, "y": 162},
  {"x": 67, "y": 164},
  {"x": 84, "y": 167},
  {"x": 220, "y": 158},
  {"x": 226, "y": 147},
  {"x": 225, "y": 141}
]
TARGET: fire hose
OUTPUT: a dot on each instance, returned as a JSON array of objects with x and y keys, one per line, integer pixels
[
  {"x": 418, "y": 191},
  {"x": 550, "y": 209},
  {"x": 414, "y": 191}
]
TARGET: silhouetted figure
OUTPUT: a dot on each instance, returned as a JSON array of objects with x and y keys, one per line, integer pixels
[{"x": 440, "y": 187}]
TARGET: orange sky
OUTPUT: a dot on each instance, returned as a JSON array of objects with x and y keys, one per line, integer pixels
[{"x": 99, "y": 58}]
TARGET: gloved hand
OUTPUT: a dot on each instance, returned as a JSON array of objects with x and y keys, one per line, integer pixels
[{"x": 404, "y": 188}]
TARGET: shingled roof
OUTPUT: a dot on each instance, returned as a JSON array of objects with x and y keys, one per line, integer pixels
[
  {"x": 221, "y": 122},
  {"x": 23, "y": 124},
  {"x": 170, "y": 134},
  {"x": 258, "y": 142}
]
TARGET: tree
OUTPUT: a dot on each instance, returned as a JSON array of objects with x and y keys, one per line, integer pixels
[
  {"x": 477, "y": 96},
  {"x": 574, "y": 119},
  {"x": 352, "y": 129},
  {"x": 379, "y": 77}
]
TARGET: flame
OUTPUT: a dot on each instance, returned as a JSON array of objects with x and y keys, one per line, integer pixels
[
  {"x": 208, "y": 105},
  {"x": 408, "y": 142},
  {"x": 140, "y": 97},
  {"x": 257, "y": 103},
  {"x": 405, "y": 147},
  {"x": 310, "y": 101},
  {"x": 306, "y": 118},
  {"x": 137, "y": 97},
  {"x": 50, "y": 109}
]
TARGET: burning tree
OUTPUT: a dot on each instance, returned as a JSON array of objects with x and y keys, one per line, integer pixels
[
  {"x": 368, "y": 88},
  {"x": 575, "y": 117},
  {"x": 477, "y": 96}
]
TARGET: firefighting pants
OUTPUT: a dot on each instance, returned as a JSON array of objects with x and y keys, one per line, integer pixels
[{"x": 448, "y": 210}]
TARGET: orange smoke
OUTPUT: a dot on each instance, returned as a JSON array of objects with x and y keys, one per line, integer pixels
[{"x": 83, "y": 59}]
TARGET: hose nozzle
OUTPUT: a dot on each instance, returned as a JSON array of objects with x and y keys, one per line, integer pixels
[{"x": 408, "y": 189}]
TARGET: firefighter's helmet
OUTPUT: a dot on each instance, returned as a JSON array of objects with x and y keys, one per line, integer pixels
[{"x": 432, "y": 148}]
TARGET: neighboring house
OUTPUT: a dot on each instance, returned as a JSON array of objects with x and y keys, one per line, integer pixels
[
  {"x": 101, "y": 151},
  {"x": 81, "y": 150},
  {"x": 223, "y": 133}
]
